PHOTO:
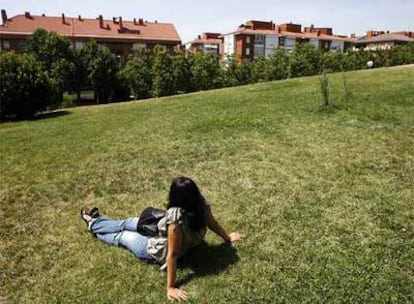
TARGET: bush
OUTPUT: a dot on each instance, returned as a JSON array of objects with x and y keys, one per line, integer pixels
[
  {"x": 25, "y": 87},
  {"x": 206, "y": 71},
  {"x": 259, "y": 69},
  {"x": 101, "y": 67},
  {"x": 56, "y": 56},
  {"x": 305, "y": 60},
  {"x": 401, "y": 54},
  {"x": 162, "y": 73},
  {"x": 183, "y": 77},
  {"x": 278, "y": 65},
  {"x": 67, "y": 100},
  {"x": 355, "y": 60},
  {"x": 332, "y": 62},
  {"x": 137, "y": 74}
]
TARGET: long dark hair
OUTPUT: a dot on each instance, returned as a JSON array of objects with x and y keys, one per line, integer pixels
[{"x": 185, "y": 194}]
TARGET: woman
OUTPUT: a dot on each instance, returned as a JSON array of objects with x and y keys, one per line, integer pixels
[{"x": 184, "y": 227}]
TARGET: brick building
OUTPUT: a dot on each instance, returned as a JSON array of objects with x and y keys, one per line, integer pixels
[
  {"x": 381, "y": 40},
  {"x": 121, "y": 36},
  {"x": 210, "y": 43},
  {"x": 259, "y": 38}
]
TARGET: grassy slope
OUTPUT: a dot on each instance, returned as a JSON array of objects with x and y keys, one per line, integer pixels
[{"x": 330, "y": 194}]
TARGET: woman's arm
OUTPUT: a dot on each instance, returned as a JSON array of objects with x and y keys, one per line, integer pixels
[
  {"x": 175, "y": 238},
  {"x": 214, "y": 226}
]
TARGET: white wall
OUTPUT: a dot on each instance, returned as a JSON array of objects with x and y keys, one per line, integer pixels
[{"x": 229, "y": 45}]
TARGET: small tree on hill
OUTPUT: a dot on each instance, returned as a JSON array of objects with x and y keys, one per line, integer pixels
[
  {"x": 137, "y": 74},
  {"x": 305, "y": 60},
  {"x": 278, "y": 65},
  {"x": 206, "y": 71},
  {"x": 56, "y": 56},
  {"x": 181, "y": 68},
  {"x": 101, "y": 67},
  {"x": 258, "y": 69},
  {"x": 25, "y": 87},
  {"x": 162, "y": 73}
]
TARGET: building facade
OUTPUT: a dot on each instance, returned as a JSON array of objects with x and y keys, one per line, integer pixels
[
  {"x": 210, "y": 43},
  {"x": 259, "y": 38},
  {"x": 381, "y": 40},
  {"x": 120, "y": 36}
]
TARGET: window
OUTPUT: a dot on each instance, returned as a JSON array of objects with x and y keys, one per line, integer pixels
[
  {"x": 282, "y": 41},
  {"x": 248, "y": 39},
  {"x": 6, "y": 44},
  {"x": 79, "y": 45},
  {"x": 247, "y": 51},
  {"x": 259, "y": 50},
  {"x": 259, "y": 39},
  {"x": 138, "y": 46}
]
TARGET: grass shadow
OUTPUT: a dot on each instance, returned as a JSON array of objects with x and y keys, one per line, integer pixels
[
  {"x": 52, "y": 114},
  {"x": 207, "y": 260}
]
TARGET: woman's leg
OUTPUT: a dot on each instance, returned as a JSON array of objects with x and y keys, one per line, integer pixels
[
  {"x": 121, "y": 233},
  {"x": 133, "y": 241},
  {"x": 104, "y": 224}
]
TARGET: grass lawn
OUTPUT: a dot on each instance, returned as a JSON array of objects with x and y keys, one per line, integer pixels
[{"x": 325, "y": 197}]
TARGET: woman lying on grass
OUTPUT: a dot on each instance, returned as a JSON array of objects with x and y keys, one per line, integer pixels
[{"x": 182, "y": 228}]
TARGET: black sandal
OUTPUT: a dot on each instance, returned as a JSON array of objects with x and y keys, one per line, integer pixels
[{"x": 94, "y": 212}]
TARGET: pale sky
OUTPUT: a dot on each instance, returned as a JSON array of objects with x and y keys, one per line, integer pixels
[{"x": 192, "y": 17}]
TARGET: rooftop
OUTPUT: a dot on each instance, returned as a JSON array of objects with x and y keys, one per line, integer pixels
[
  {"x": 91, "y": 28},
  {"x": 386, "y": 37}
]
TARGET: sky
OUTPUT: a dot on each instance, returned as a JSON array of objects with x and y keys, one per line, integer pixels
[{"x": 192, "y": 17}]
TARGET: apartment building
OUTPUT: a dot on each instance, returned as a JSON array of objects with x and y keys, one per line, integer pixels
[
  {"x": 210, "y": 43},
  {"x": 382, "y": 40},
  {"x": 259, "y": 38},
  {"x": 121, "y": 36}
]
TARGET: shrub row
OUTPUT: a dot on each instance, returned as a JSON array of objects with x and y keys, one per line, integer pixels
[{"x": 161, "y": 73}]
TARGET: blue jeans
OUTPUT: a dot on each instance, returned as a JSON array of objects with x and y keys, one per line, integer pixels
[{"x": 121, "y": 233}]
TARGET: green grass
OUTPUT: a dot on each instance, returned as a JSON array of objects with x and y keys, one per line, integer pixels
[{"x": 324, "y": 196}]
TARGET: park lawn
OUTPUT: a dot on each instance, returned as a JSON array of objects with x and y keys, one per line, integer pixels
[{"x": 324, "y": 195}]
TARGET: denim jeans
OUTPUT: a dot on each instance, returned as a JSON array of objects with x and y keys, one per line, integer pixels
[{"x": 121, "y": 233}]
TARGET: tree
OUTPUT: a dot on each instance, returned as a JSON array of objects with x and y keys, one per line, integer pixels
[
  {"x": 162, "y": 73},
  {"x": 278, "y": 65},
  {"x": 79, "y": 77},
  {"x": 137, "y": 74},
  {"x": 181, "y": 69},
  {"x": 258, "y": 70},
  {"x": 401, "y": 54},
  {"x": 25, "y": 87},
  {"x": 206, "y": 71},
  {"x": 101, "y": 67},
  {"x": 332, "y": 61},
  {"x": 355, "y": 60},
  {"x": 56, "y": 56},
  {"x": 229, "y": 72},
  {"x": 305, "y": 60}
]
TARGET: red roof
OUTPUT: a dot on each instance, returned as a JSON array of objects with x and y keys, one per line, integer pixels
[
  {"x": 390, "y": 37},
  {"x": 206, "y": 41},
  {"x": 90, "y": 28}
]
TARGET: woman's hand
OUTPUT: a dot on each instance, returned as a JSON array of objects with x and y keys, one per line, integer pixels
[
  {"x": 176, "y": 294},
  {"x": 235, "y": 236}
]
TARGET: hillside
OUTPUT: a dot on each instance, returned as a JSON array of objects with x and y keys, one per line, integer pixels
[{"x": 324, "y": 196}]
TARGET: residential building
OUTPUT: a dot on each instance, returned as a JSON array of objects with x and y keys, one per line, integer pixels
[
  {"x": 210, "y": 43},
  {"x": 259, "y": 38},
  {"x": 381, "y": 40},
  {"x": 121, "y": 36}
]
